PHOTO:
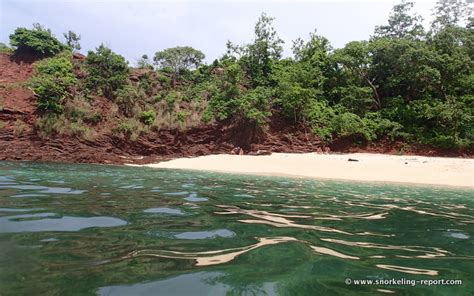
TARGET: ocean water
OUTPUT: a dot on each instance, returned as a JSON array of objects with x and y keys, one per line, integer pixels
[{"x": 111, "y": 230}]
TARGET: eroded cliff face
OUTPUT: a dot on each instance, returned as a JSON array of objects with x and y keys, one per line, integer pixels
[{"x": 20, "y": 139}]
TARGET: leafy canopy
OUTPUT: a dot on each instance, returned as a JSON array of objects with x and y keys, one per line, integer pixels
[
  {"x": 53, "y": 82},
  {"x": 37, "y": 41},
  {"x": 107, "y": 71},
  {"x": 179, "y": 58},
  {"x": 72, "y": 40}
]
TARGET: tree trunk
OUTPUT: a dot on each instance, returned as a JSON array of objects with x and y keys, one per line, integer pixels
[{"x": 376, "y": 94}]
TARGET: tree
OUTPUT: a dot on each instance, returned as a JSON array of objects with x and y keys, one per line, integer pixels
[
  {"x": 257, "y": 58},
  {"x": 355, "y": 57},
  {"x": 316, "y": 49},
  {"x": 450, "y": 13},
  {"x": 37, "y": 41},
  {"x": 107, "y": 71},
  {"x": 178, "y": 59},
  {"x": 401, "y": 23},
  {"x": 297, "y": 85},
  {"x": 144, "y": 62},
  {"x": 72, "y": 40}
]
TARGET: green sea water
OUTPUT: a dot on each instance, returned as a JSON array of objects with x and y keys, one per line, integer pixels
[{"x": 114, "y": 230}]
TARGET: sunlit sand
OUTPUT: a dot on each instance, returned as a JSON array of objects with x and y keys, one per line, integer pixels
[{"x": 368, "y": 167}]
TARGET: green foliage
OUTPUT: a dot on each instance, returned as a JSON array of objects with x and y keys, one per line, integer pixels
[
  {"x": 129, "y": 128},
  {"x": 377, "y": 126},
  {"x": 144, "y": 62},
  {"x": 254, "y": 106},
  {"x": 94, "y": 118},
  {"x": 356, "y": 60},
  {"x": 72, "y": 40},
  {"x": 148, "y": 117},
  {"x": 225, "y": 101},
  {"x": 128, "y": 99},
  {"x": 182, "y": 115},
  {"x": 298, "y": 84},
  {"x": 449, "y": 13},
  {"x": 257, "y": 58},
  {"x": 319, "y": 116},
  {"x": 37, "y": 41},
  {"x": 404, "y": 83},
  {"x": 179, "y": 58},
  {"x": 350, "y": 125},
  {"x": 107, "y": 71},
  {"x": 57, "y": 124},
  {"x": 401, "y": 24},
  {"x": 52, "y": 82}
]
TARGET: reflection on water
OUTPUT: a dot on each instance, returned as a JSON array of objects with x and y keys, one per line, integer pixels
[
  {"x": 199, "y": 283},
  {"x": 164, "y": 211},
  {"x": 50, "y": 222},
  {"x": 212, "y": 257},
  {"x": 85, "y": 229},
  {"x": 409, "y": 270}
]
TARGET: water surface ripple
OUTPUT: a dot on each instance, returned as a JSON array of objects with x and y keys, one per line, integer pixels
[{"x": 111, "y": 230}]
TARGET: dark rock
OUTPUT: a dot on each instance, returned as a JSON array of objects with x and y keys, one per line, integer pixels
[{"x": 260, "y": 152}]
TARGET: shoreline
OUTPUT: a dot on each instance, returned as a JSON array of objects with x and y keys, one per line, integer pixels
[{"x": 441, "y": 171}]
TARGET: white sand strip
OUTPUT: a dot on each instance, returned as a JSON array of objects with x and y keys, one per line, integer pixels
[{"x": 369, "y": 167}]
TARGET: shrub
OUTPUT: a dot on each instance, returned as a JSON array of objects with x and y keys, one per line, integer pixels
[
  {"x": 224, "y": 102},
  {"x": 20, "y": 127},
  {"x": 50, "y": 124},
  {"x": 148, "y": 117},
  {"x": 172, "y": 98},
  {"x": 254, "y": 106},
  {"x": 52, "y": 83},
  {"x": 349, "y": 124},
  {"x": 129, "y": 129},
  {"x": 182, "y": 115},
  {"x": 128, "y": 99},
  {"x": 78, "y": 129},
  {"x": 37, "y": 41},
  {"x": 107, "y": 71},
  {"x": 94, "y": 118},
  {"x": 319, "y": 116},
  {"x": 379, "y": 126}
]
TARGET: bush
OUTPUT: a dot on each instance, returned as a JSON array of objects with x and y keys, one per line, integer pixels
[
  {"x": 94, "y": 118},
  {"x": 148, "y": 117},
  {"x": 58, "y": 124},
  {"x": 107, "y": 71},
  {"x": 254, "y": 106},
  {"x": 50, "y": 94},
  {"x": 50, "y": 124},
  {"x": 224, "y": 102},
  {"x": 349, "y": 124},
  {"x": 128, "y": 99},
  {"x": 319, "y": 116},
  {"x": 37, "y": 41},
  {"x": 379, "y": 126},
  {"x": 129, "y": 129},
  {"x": 182, "y": 116},
  {"x": 52, "y": 82}
]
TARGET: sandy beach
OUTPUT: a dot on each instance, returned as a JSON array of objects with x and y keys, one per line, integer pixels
[{"x": 368, "y": 167}]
